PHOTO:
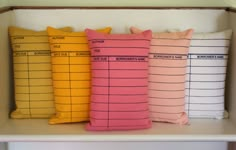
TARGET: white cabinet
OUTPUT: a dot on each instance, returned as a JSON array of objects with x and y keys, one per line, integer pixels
[{"x": 202, "y": 20}]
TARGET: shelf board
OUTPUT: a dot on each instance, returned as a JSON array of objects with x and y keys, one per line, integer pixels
[{"x": 39, "y": 130}]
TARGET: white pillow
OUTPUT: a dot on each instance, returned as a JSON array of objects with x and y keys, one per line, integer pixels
[{"x": 206, "y": 74}]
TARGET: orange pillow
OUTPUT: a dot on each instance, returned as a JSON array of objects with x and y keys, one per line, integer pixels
[
  {"x": 71, "y": 75},
  {"x": 32, "y": 73}
]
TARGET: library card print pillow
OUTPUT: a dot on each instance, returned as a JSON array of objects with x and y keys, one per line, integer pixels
[
  {"x": 32, "y": 73},
  {"x": 207, "y": 64},
  {"x": 119, "y": 81},
  {"x": 167, "y": 73},
  {"x": 71, "y": 75}
]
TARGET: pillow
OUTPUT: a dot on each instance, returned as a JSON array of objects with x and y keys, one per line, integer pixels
[
  {"x": 207, "y": 64},
  {"x": 71, "y": 75},
  {"x": 32, "y": 73},
  {"x": 119, "y": 81},
  {"x": 167, "y": 73}
]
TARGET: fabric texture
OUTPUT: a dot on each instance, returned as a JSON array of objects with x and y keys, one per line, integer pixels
[
  {"x": 119, "y": 81},
  {"x": 71, "y": 75},
  {"x": 207, "y": 64},
  {"x": 32, "y": 73},
  {"x": 167, "y": 74}
]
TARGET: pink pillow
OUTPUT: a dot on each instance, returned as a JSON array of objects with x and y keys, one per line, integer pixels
[
  {"x": 119, "y": 99},
  {"x": 167, "y": 73}
]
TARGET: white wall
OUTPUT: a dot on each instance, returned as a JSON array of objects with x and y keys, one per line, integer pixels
[
  {"x": 3, "y": 3},
  {"x": 159, "y": 3}
]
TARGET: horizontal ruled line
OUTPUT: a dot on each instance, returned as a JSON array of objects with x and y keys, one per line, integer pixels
[
  {"x": 207, "y": 46},
  {"x": 167, "y": 90},
  {"x": 72, "y": 103},
  {"x": 66, "y": 43},
  {"x": 167, "y": 105},
  {"x": 170, "y": 46},
  {"x": 205, "y": 96},
  {"x": 206, "y": 66},
  {"x": 120, "y": 61},
  {"x": 71, "y": 111},
  {"x": 28, "y": 36},
  {"x": 119, "y": 126},
  {"x": 71, "y": 80},
  {"x": 71, "y": 96},
  {"x": 120, "y": 86},
  {"x": 166, "y": 112},
  {"x": 14, "y": 43},
  {"x": 206, "y": 73},
  {"x": 120, "y": 47},
  {"x": 32, "y": 78},
  {"x": 206, "y": 103},
  {"x": 139, "y": 56},
  {"x": 72, "y": 88},
  {"x": 179, "y": 59},
  {"x": 96, "y": 102},
  {"x": 203, "y": 110},
  {"x": 167, "y": 98},
  {"x": 120, "y": 94},
  {"x": 54, "y": 36},
  {"x": 69, "y": 64},
  {"x": 171, "y": 39},
  {"x": 37, "y": 108},
  {"x": 30, "y": 70},
  {"x": 70, "y": 72},
  {"x": 32, "y": 101},
  {"x": 169, "y": 66},
  {"x": 118, "y": 110},
  {"x": 167, "y": 82},
  {"x": 126, "y": 39},
  {"x": 168, "y": 74},
  {"x": 206, "y": 54},
  {"x": 119, "y": 77},
  {"x": 205, "y": 88},
  {"x": 121, "y": 69},
  {"x": 32, "y": 63},
  {"x": 205, "y": 81},
  {"x": 119, "y": 118},
  {"x": 211, "y": 39},
  {"x": 35, "y": 93}
]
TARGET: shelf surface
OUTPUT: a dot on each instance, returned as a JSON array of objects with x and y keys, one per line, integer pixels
[{"x": 39, "y": 130}]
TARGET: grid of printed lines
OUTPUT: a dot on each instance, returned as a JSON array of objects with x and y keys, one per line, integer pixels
[
  {"x": 205, "y": 84},
  {"x": 71, "y": 77},
  {"x": 167, "y": 73},
  {"x": 119, "y": 84},
  {"x": 32, "y": 76}
]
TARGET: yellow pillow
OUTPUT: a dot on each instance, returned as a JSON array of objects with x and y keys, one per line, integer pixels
[
  {"x": 32, "y": 73},
  {"x": 71, "y": 75}
]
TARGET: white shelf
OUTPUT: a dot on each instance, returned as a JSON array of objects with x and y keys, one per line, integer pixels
[{"x": 39, "y": 130}]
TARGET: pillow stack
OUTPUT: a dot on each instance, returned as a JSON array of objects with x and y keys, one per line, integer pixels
[{"x": 119, "y": 81}]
